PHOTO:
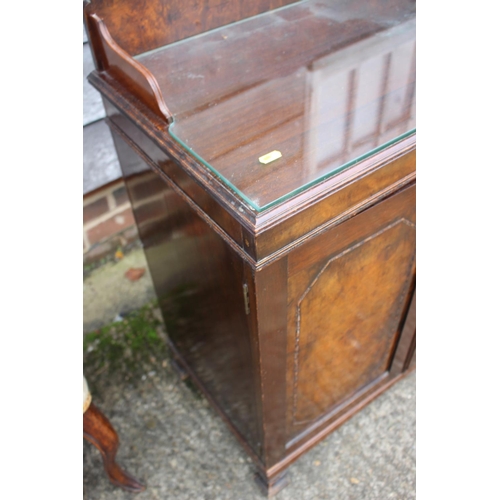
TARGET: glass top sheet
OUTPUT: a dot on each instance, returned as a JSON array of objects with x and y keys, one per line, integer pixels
[{"x": 325, "y": 83}]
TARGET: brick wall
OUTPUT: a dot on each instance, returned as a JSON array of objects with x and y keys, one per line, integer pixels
[{"x": 108, "y": 222}]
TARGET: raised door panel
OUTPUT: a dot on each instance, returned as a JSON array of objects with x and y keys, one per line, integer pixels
[{"x": 345, "y": 309}]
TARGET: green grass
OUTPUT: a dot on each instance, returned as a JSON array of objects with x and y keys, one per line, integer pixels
[{"x": 128, "y": 348}]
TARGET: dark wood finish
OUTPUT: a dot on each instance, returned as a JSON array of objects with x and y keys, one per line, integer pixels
[
  {"x": 383, "y": 172},
  {"x": 295, "y": 452},
  {"x": 275, "y": 232},
  {"x": 412, "y": 362},
  {"x": 184, "y": 184},
  {"x": 269, "y": 307},
  {"x": 98, "y": 430},
  {"x": 293, "y": 318},
  {"x": 405, "y": 357},
  {"x": 113, "y": 59},
  {"x": 269, "y": 486},
  {"x": 141, "y": 26},
  {"x": 354, "y": 190},
  {"x": 199, "y": 284},
  {"x": 258, "y": 104},
  {"x": 191, "y": 18}
]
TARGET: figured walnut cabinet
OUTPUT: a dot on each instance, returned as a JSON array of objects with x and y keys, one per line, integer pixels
[
  {"x": 288, "y": 289},
  {"x": 347, "y": 292}
]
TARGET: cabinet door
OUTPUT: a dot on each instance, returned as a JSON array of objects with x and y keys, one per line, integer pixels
[{"x": 349, "y": 290}]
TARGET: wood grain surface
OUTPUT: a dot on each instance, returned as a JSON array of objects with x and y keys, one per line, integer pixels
[
  {"x": 292, "y": 318},
  {"x": 347, "y": 292},
  {"x": 139, "y": 26}
]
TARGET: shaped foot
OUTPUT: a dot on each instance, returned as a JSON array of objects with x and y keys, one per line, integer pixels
[
  {"x": 98, "y": 430},
  {"x": 271, "y": 485}
]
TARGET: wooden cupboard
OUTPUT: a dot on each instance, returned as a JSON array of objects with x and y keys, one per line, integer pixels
[{"x": 287, "y": 287}]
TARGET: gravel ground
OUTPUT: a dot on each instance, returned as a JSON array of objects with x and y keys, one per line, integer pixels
[{"x": 174, "y": 441}]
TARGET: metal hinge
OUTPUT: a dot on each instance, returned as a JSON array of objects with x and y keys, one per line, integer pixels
[{"x": 246, "y": 298}]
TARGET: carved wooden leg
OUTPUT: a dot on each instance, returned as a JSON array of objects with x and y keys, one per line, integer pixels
[
  {"x": 271, "y": 485},
  {"x": 98, "y": 430}
]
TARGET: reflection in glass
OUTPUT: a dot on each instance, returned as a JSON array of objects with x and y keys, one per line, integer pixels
[{"x": 326, "y": 83}]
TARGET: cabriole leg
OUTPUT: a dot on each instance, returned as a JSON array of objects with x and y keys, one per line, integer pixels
[{"x": 98, "y": 430}]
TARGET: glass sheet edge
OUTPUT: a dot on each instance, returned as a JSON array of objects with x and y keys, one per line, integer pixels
[{"x": 296, "y": 191}]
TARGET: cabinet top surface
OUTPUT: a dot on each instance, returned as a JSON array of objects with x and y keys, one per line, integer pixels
[{"x": 320, "y": 84}]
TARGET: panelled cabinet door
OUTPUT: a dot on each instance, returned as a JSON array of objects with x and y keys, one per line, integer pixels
[{"x": 349, "y": 291}]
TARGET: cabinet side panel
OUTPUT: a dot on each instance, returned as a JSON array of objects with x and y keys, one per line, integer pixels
[
  {"x": 198, "y": 279},
  {"x": 176, "y": 174}
]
